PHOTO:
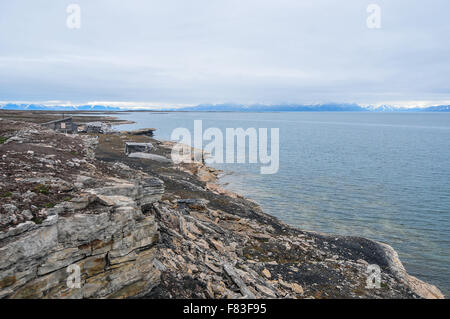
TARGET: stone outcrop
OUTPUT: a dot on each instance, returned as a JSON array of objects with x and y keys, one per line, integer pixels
[
  {"x": 101, "y": 229},
  {"x": 142, "y": 131},
  {"x": 114, "y": 251}
]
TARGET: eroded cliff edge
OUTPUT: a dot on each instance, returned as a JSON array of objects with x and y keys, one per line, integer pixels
[{"x": 146, "y": 228}]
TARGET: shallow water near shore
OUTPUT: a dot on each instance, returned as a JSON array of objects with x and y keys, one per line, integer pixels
[{"x": 384, "y": 176}]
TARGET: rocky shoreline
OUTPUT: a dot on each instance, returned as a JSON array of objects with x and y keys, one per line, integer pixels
[{"x": 146, "y": 228}]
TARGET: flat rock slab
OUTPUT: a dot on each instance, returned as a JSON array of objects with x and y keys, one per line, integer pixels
[
  {"x": 149, "y": 156},
  {"x": 143, "y": 131}
]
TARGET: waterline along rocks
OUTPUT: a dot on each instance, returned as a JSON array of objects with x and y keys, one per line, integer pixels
[{"x": 144, "y": 227}]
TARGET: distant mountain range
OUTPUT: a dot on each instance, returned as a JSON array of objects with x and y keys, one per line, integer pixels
[
  {"x": 236, "y": 108},
  {"x": 277, "y": 108}
]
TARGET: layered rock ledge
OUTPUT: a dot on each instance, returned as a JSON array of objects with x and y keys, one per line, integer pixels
[{"x": 140, "y": 227}]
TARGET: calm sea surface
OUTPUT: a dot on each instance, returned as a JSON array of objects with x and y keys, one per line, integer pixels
[{"x": 385, "y": 176}]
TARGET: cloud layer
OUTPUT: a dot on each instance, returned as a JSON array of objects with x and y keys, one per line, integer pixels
[{"x": 203, "y": 51}]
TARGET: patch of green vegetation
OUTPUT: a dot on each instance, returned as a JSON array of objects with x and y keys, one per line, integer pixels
[
  {"x": 3, "y": 139},
  {"x": 5, "y": 194},
  {"x": 67, "y": 199},
  {"x": 74, "y": 153},
  {"x": 49, "y": 205},
  {"x": 42, "y": 189},
  {"x": 37, "y": 220}
]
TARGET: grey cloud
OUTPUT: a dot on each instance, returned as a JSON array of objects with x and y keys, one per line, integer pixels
[{"x": 203, "y": 51}]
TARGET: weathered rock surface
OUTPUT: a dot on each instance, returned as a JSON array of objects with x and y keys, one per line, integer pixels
[
  {"x": 216, "y": 244},
  {"x": 143, "y": 228},
  {"x": 143, "y": 131},
  {"x": 99, "y": 227}
]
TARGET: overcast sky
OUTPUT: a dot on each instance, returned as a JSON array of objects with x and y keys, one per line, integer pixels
[{"x": 211, "y": 51}]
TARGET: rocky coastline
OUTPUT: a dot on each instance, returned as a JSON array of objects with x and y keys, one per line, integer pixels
[{"x": 147, "y": 228}]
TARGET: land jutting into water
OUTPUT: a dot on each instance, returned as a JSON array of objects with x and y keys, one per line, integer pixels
[{"x": 145, "y": 227}]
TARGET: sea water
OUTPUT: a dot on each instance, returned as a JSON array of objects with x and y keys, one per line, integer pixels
[{"x": 384, "y": 176}]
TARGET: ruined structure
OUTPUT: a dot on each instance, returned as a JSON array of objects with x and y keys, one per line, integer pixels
[
  {"x": 97, "y": 127},
  {"x": 65, "y": 125},
  {"x": 132, "y": 147}
]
